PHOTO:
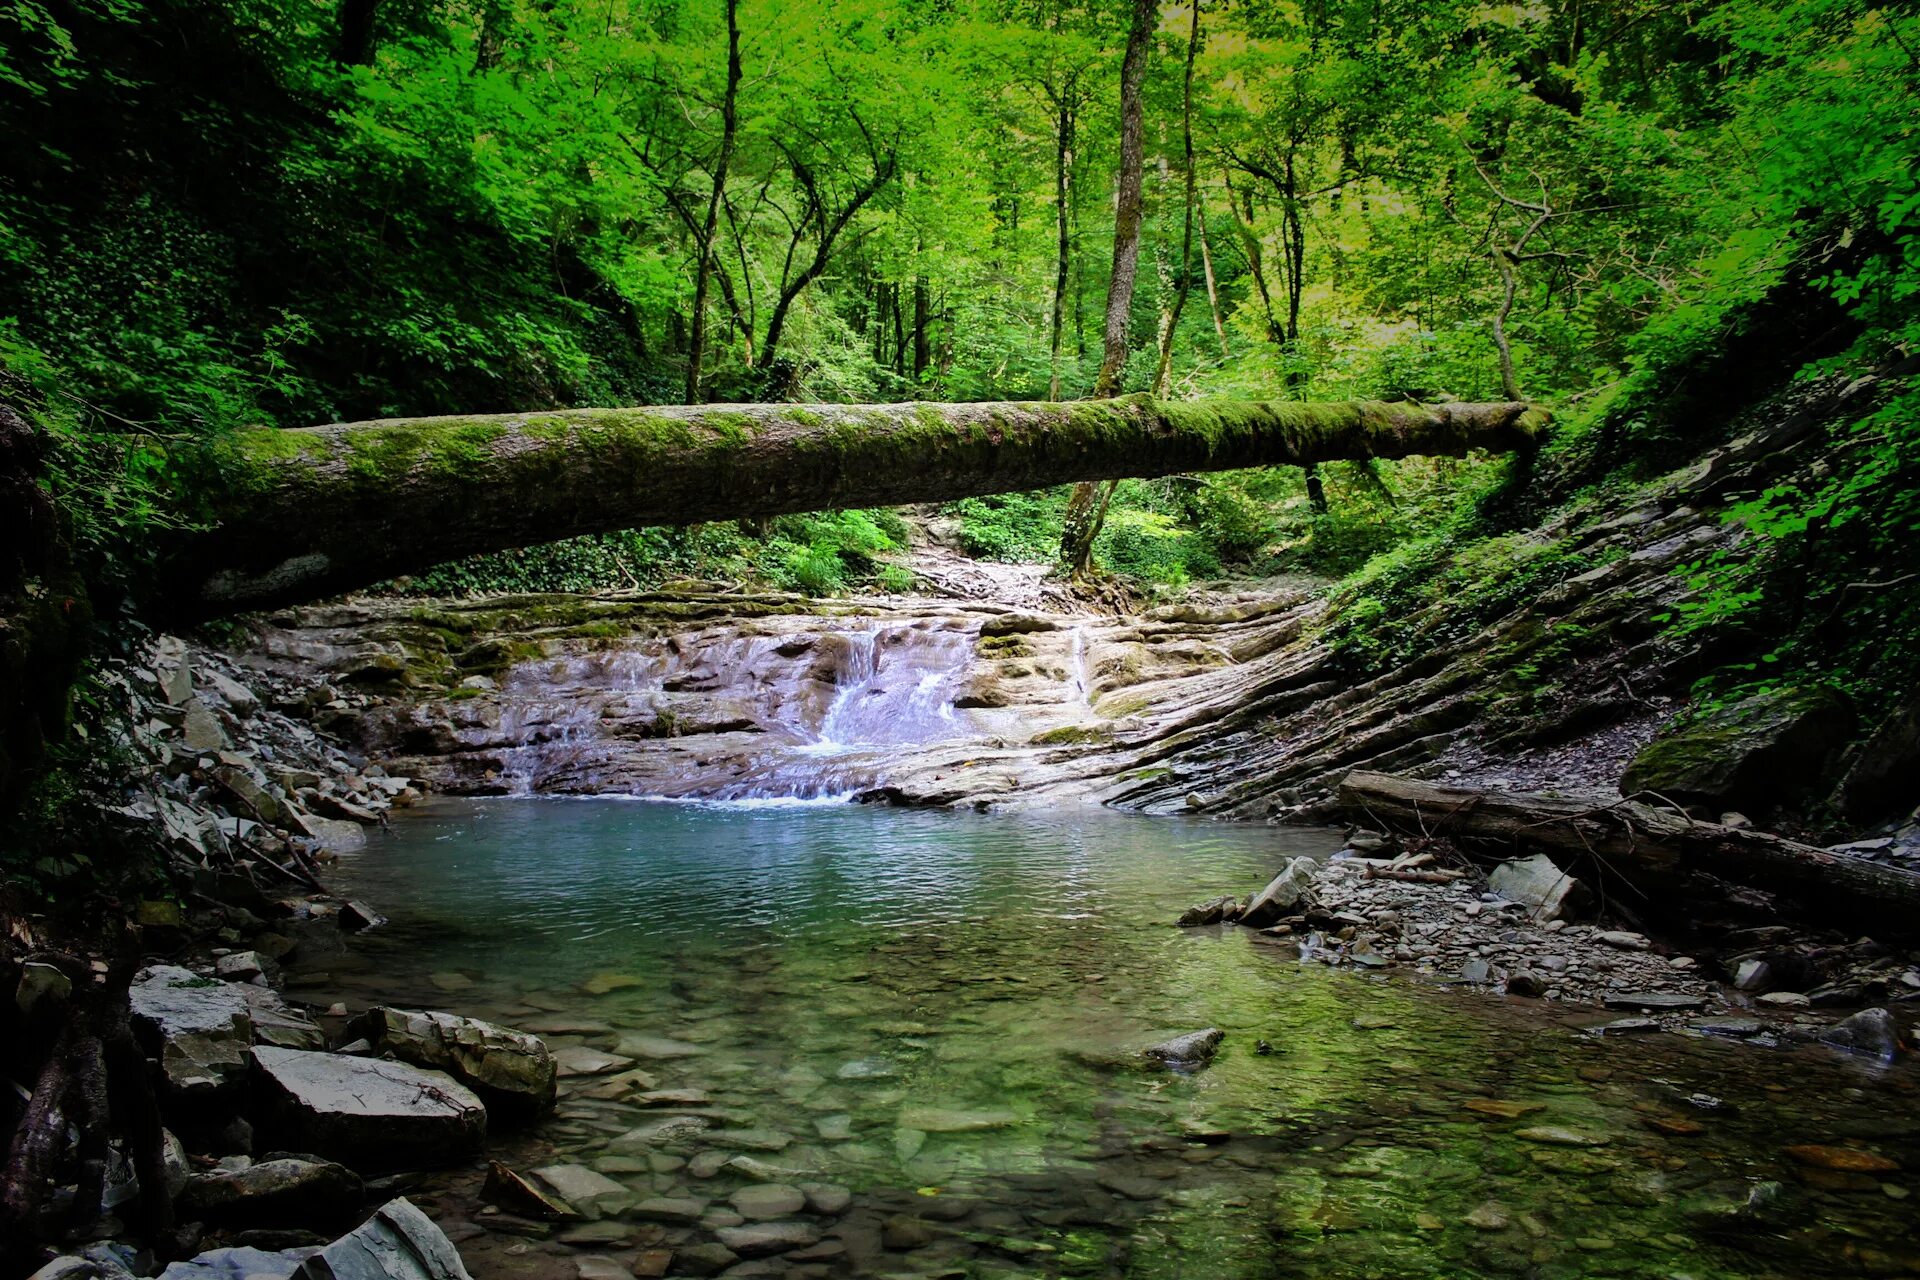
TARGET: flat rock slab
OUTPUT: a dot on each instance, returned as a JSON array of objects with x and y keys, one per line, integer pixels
[
  {"x": 657, "y": 1048},
  {"x": 588, "y": 1193},
  {"x": 576, "y": 1060},
  {"x": 199, "y": 1028},
  {"x": 1653, "y": 1001},
  {"x": 367, "y": 1112}
]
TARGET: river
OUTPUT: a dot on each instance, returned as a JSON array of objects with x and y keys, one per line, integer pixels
[{"x": 942, "y": 1013}]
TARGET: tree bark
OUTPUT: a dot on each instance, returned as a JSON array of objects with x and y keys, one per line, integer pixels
[
  {"x": 314, "y": 511},
  {"x": 1084, "y": 511},
  {"x": 1637, "y": 840},
  {"x": 703, "y": 269}
]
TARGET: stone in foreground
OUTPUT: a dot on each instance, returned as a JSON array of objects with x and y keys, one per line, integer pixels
[
  {"x": 398, "y": 1243},
  {"x": 366, "y": 1112},
  {"x": 198, "y": 1027},
  {"x": 511, "y": 1070}
]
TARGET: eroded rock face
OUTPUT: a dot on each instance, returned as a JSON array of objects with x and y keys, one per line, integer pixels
[
  {"x": 368, "y": 1113},
  {"x": 1753, "y": 755},
  {"x": 511, "y": 1070},
  {"x": 199, "y": 1027}
]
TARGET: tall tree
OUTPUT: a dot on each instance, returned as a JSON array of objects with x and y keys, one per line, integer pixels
[
  {"x": 704, "y": 264},
  {"x": 1087, "y": 507},
  {"x": 1170, "y": 321}
]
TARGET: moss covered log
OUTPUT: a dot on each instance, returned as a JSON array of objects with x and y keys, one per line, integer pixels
[{"x": 310, "y": 512}]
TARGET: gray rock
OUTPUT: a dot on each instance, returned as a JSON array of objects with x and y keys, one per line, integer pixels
[
  {"x": 1625, "y": 1027},
  {"x": 369, "y": 1113},
  {"x": 239, "y": 1264},
  {"x": 1476, "y": 971},
  {"x": 762, "y": 1238},
  {"x": 1623, "y": 939},
  {"x": 1192, "y": 1050},
  {"x": 770, "y": 1200},
  {"x": 679, "y": 1211},
  {"x": 1217, "y": 911},
  {"x": 511, "y": 1070},
  {"x": 398, "y": 1243},
  {"x": 1735, "y": 1028},
  {"x": 198, "y": 1027},
  {"x": 1871, "y": 1032},
  {"x": 1654, "y": 1001},
  {"x": 1536, "y": 883},
  {"x": 271, "y": 1193},
  {"x": 588, "y": 1193},
  {"x": 703, "y": 1259},
  {"x": 826, "y": 1198},
  {"x": 1283, "y": 893}
]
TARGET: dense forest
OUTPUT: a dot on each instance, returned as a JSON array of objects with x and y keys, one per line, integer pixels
[{"x": 216, "y": 215}]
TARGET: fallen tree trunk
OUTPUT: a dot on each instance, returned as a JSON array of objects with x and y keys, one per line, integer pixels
[
  {"x": 305, "y": 513},
  {"x": 1627, "y": 837}
]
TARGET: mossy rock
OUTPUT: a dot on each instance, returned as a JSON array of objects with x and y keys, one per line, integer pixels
[{"x": 1763, "y": 751}]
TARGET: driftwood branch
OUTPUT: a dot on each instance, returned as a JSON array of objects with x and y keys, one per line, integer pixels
[{"x": 1655, "y": 843}]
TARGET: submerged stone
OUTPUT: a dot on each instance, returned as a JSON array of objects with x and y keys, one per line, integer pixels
[{"x": 1192, "y": 1050}]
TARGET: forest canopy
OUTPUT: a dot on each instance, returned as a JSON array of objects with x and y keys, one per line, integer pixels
[{"x": 302, "y": 211}]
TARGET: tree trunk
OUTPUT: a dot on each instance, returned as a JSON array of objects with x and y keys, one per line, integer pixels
[
  {"x": 1637, "y": 841},
  {"x": 922, "y": 314},
  {"x": 1163, "y": 369},
  {"x": 703, "y": 269},
  {"x": 319, "y": 510},
  {"x": 1082, "y": 523},
  {"x": 1213, "y": 291},
  {"x": 1063, "y": 213}
]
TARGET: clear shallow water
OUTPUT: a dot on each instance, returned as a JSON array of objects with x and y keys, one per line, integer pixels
[{"x": 854, "y": 982}]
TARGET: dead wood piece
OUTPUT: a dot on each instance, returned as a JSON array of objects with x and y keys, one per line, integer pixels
[{"x": 1650, "y": 843}]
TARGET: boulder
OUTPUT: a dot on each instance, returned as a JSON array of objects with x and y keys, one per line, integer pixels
[
  {"x": 284, "y": 1192},
  {"x": 1536, "y": 883},
  {"x": 1194, "y": 1049},
  {"x": 1755, "y": 754},
  {"x": 198, "y": 1027},
  {"x": 1883, "y": 776},
  {"x": 1870, "y": 1032},
  {"x": 398, "y": 1243},
  {"x": 510, "y": 1070},
  {"x": 369, "y": 1113},
  {"x": 1283, "y": 893}
]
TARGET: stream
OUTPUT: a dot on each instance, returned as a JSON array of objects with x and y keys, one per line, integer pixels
[{"x": 942, "y": 1015}]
